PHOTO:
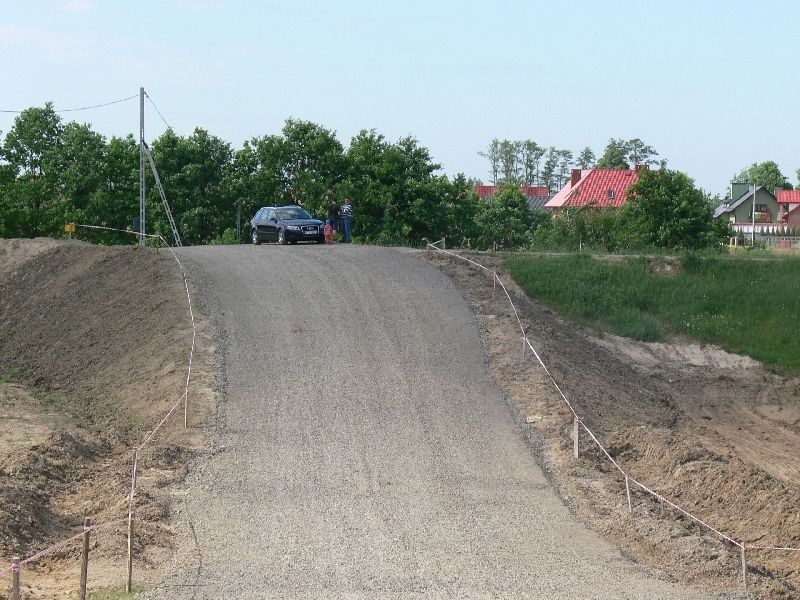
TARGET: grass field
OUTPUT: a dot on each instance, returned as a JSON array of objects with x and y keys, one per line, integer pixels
[{"x": 745, "y": 305}]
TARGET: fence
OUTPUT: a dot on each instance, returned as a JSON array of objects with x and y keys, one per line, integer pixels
[
  {"x": 17, "y": 563},
  {"x": 578, "y": 424}
]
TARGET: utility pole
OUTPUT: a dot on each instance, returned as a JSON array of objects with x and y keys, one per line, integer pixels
[
  {"x": 239, "y": 220},
  {"x": 141, "y": 168},
  {"x": 753, "y": 233}
]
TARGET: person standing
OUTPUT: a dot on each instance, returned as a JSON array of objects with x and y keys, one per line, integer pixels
[
  {"x": 333, "y": 214},
  {"x": 345, "y": 214}
]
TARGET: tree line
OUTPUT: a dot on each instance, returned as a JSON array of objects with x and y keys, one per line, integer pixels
[
  {"x": 54, "y": 172},
  {"x": 525, "y": 162}
]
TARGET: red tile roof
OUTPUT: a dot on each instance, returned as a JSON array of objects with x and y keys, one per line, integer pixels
[
  {"x": 534, "y": 191},
  {"x": 789, "y": 196},
  {"x": 594, "y": 188},
  {"x": 485, "y": 191}
]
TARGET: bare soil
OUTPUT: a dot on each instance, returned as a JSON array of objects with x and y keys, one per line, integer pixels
[
  {"x": 94, "y": 345},
  {"x": 714, "y": 432},
  {"x": 93, "y": 349}
]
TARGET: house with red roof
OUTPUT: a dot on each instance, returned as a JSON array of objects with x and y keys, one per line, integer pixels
[
  {"x": 789, "y": 207},
  {"x": 600, "y": 188},
  {"x": 537, "y": 195}
]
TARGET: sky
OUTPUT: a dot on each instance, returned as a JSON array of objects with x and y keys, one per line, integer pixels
[{"x": 712, "y": 85}]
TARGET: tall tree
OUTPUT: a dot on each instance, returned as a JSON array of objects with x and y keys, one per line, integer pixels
[
  {"x": 530, "y": 155},
  {"x": 549, "y": 170},
  {"x": 586, "y": 158},
  {"x": 767, "y": 174},
  {"x": 509, "y": 162},
  {"x": 195, "y": 172},
  {"x": 493, "y": 156},
  {"x": 31, "y": 148},
  {"x": 298, "y": 167},
  {"x": 639, "y": 153},
  {"x": 564, "y": 167},
  {"x": 615, "y": 155}
]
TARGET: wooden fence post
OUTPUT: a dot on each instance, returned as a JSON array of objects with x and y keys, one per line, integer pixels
[
  {"x": 744, "y": 570},
  {"x": 130, "y": 553},
  {"x": 85, "y": 559},
  {"x": 130, "y": 521},
  {"x": 15, "y": 578},
  {"x": 628, "y": 491},
  {"x": 575, "y": 437}
]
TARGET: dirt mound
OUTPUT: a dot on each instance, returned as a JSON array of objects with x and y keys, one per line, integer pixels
[
  {"x": 713, "y": 432},
  {"x": 94, "y": 344}
]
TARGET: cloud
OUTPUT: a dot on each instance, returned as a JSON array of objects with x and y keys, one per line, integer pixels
[{"x": 78, "y": 6}]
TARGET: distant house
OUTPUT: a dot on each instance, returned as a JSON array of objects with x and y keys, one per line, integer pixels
[
  {"x": 596, "y": 187},
  {"x": 789, "y": 208},
  {"x": 737, "y": 209},
  {"x": 536, "y": 195}
]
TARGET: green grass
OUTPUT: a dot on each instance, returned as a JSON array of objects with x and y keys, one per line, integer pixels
[
  {"x": 745, "y": 305},
  {"x": 9, "y": 376}
]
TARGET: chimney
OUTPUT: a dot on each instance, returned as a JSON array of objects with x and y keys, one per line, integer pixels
[{"x": 575, "y": 178}]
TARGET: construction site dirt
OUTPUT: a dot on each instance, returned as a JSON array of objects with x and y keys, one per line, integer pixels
[{"x": 94, "y": 346}]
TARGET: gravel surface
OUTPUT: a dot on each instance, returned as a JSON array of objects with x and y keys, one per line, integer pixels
[{"x": 363, "y": 449}]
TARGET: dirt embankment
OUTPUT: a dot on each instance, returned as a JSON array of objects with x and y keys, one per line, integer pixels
[
  {"x": 94, "y": 344},
  {"x": 715, "y": 433}
]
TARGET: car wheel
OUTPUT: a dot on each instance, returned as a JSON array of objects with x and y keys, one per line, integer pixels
[
  {"x": 256, "y": 241},
  {"x": 281, "y": 237}
]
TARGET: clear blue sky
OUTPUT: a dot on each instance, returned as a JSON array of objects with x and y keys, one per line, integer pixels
[{"x": 713, "y": 85}]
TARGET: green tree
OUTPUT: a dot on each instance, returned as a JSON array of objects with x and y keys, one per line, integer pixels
[
  {"x": 665, "y": 209},
  {"x": 766, "y": 174},
  {"x": 492, "y": 154},
  {"x": 506, "y": 220},
  {"x": 564, "y": 167},
  {"x": 615, "y": 155},
  {"x": 510, "y": 162},
  {"x": 530, "y": 155},
  {"x": 549, "y": 175},
  {"x": 639, "y": 153},
  {"x": 30, "y": 149},
  {"x": 196, "y": 173},
  {"x": 397, "y": 197},
  {"x": 299, "y": 166},
  {"x": 586, "y": 158}
]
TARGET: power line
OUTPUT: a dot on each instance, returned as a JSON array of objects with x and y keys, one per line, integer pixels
[
  {"x": 158, "y": 111},
  {"x": 81, "y": 108}
]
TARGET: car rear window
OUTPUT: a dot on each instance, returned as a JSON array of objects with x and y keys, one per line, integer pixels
[{"x": 292, "y": 212}]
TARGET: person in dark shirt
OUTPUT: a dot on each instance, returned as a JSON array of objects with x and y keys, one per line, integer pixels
[
  {"x": 345, "y": 214},
  {"x": 333, "y": 214}
]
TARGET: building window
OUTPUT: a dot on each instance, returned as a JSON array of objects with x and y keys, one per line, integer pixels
[{"x": 610, "y": 194}]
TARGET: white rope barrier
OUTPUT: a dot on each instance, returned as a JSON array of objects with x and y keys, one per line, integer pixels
[
  {"x": 58, "y": 545},
  {"x": 138, "y": 449},
  {"x": 743, "y": 546}
]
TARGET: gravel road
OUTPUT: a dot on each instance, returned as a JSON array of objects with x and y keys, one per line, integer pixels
[{"x": 364, "y": 450}]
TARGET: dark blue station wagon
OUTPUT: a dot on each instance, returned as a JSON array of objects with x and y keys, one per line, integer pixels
[{"x": 285, "y": 224}]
